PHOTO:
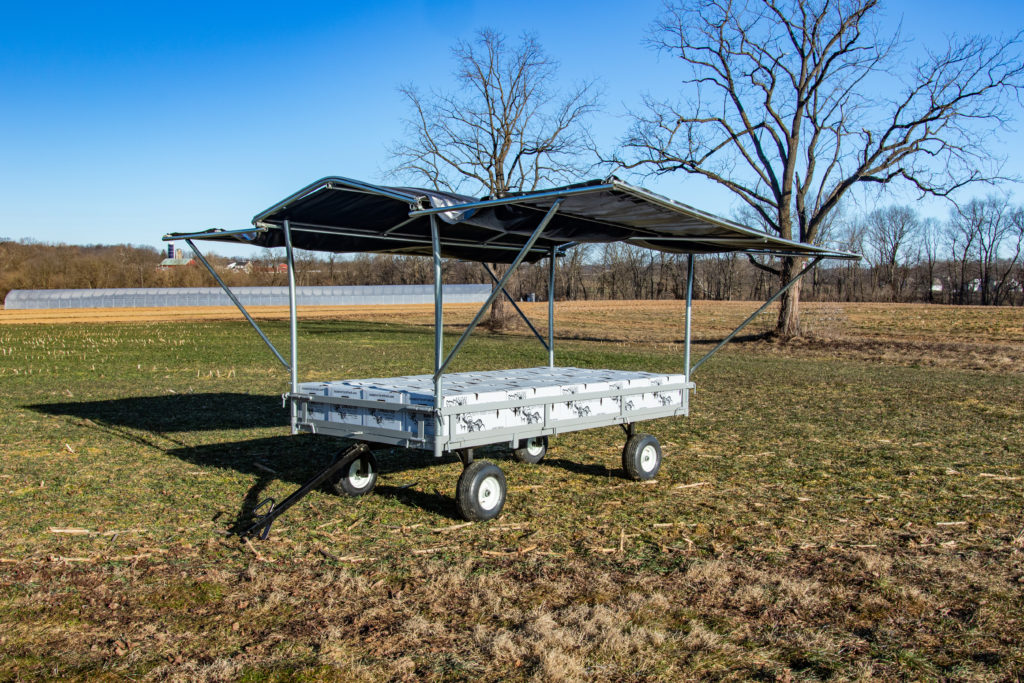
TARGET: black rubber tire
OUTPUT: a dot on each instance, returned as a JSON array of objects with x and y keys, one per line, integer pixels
[
  {"x": 641, "y": 457},
  {"x": 480, "y": 493},
  {"x": 357, "y": 479},
  {"x": 531, "y": 451}
]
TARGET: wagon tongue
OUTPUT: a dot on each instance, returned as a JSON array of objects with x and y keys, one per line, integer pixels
[{"x": 260, "y": 527}]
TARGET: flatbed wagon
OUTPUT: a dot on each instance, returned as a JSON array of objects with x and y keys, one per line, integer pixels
[{"x": 454, "y": 413}]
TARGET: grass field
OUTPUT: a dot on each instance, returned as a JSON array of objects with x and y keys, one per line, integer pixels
[{"x": 847, "y": 507}]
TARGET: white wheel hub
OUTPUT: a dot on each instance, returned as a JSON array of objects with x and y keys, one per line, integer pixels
[
  {"x": 534, "y": 447},
  {"x": 648, "y": 458},
  {"x": 358, "y": 479},
  {"x": 488, "y": 494}
]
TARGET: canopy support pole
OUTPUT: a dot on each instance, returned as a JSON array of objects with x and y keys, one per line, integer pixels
[
  {"x": 500, "y": 286},
  {"x": 234, "y": 300},
  {"x": 689, "y": 315},
  {"x": 769, "y": 302},
  {"x": 494, "y": 278},
  {"x": 551, "y": 310},
  {"x": 293, "y": 328},
  {"x": 438, "y": 337}
]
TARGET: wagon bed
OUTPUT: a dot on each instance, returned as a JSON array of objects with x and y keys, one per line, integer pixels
[{"x": 481, "y": 408}]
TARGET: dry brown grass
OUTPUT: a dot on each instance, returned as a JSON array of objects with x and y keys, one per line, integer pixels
[
  {"x": 969, "y": 337},
  {"x": 217, "y": 313},
  {"x": 815, "y": 518}
]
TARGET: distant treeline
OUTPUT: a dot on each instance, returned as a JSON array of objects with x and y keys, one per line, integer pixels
[{"x": 973, "y": 258}]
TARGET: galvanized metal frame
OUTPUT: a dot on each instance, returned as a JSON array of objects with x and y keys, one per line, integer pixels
[
  {"x": 551, "y": 308},
  {"x": 409, "y": 239},
  {"x": 494, "y": 279},
  {"x": 689, "y": 315},
  {"x": 499, "y": 287},
  {"x": 438, "y": 334},
  {"x": 440, "y": 441},
  {"x": 293, "y": 330},
  {"x": 448, "y": 440}
]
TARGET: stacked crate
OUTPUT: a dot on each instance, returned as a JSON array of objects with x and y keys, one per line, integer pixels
[{"x": 536, "y": 387}]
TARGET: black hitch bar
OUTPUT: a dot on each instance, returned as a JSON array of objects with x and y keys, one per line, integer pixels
[{"x": 261, "y": 526}]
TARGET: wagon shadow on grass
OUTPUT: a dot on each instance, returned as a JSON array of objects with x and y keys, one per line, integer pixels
[
  {"x": 177, "y": 412},
  {"x": 295, "y": 460},
  {"x": 154, "y": 420}
]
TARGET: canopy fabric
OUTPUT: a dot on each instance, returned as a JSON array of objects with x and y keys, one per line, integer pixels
[{"x": 344, "y": 215}]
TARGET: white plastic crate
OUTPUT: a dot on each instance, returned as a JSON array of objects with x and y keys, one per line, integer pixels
[
  {"x": 342, "y": 414},
  {"x": 542, "y": 398}
]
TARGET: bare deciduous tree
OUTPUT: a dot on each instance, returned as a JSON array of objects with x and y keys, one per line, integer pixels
[
  {"x": 890, "y": 234},
  {"x": 991, "y": 234},
  {"x": 506, "y": 127},
  {"x": 931, "y": 244},
  {"x": 782, "y": 107}
]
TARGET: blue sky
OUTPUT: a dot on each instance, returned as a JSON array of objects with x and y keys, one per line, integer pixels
[{"x": 120, "y": 122}]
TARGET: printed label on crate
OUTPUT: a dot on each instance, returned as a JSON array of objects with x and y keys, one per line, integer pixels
[
  {"x": 350, "y": 415},
  {"x": 467, "y": 423},
  {"x": 384, "y": 419}
]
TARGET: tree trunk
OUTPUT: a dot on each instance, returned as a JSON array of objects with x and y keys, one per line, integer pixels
[
  {"x": 788, "y": 325},
  {"x": 501, "y": 312}
]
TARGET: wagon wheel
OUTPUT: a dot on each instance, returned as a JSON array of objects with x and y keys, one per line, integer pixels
[
  {"x": 641, "y": 457},
  {"x": 480, "y": 493},
  {"x": 357, "y": 479},
  {"x": 531, "y": 451}
]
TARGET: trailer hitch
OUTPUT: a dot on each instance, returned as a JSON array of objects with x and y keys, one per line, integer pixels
[{"x": 260, "y": 527}]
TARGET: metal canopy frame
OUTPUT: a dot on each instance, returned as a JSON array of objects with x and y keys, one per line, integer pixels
[
  {"x": 344, "y": 215},
  {"x": 529, "y": 247},
  {"x": 299, "y": 403}
]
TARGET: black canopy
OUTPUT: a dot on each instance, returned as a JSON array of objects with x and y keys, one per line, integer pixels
[{"x": 344, "y": 215}]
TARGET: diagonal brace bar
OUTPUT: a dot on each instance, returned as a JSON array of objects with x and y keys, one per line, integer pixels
[
  {"x": 234, "y": 299},
  {"x": 261, "y": 525},
  {"x": 500, "y": 286},
  {"x": 515, "y": 306},
  {"x": 808, "y": 268}
]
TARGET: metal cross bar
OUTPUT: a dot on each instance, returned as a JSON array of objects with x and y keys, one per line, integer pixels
[
  {"x": 328, "y": 230},
  {"x": 293, "y": 329},
  {"x": 238, "y": 304},
  {"x": 500, "y": 286},
  {"x": 503, "y": 201},
  {"x": 516, "y": 306},
  {"x": 756, "y": 313},
  {"x": 551, "y": 309}
]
